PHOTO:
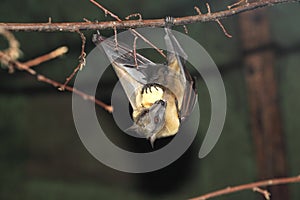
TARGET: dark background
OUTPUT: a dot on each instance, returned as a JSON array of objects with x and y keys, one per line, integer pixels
[{"x": 41, "y": 155}]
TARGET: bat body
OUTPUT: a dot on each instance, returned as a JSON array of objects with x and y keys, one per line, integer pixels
[{"x": 161, "y": 95}]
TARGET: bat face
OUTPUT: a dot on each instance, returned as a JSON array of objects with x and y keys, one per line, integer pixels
[
  {"x": 161, "y": 95},
  {"x": 150, "y": 120}
]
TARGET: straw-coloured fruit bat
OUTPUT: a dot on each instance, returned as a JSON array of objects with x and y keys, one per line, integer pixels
[{"x": 161, "y": 95}]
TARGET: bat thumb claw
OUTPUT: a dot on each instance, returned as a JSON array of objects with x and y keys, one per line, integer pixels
[{"x": 152, "y": 140}]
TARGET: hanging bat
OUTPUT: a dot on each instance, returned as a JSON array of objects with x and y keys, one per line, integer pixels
[{"x": 161, "y": 95}]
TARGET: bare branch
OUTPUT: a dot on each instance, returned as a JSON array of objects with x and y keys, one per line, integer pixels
[
  {"x": 78, "y": 92},
  {"x": 53, "y": 54},
  {"x": 125, "y": 24},
  {"x": 21, "y": 66},
  {"x": 249, "y": 186}
]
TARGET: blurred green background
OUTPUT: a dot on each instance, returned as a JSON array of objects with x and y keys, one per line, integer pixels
[{"x": 41, "y": 155}]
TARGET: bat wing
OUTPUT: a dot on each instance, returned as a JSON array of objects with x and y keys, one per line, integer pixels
[
  {"x": 185, "y": 90},
  {"x": 190, "y": 97},
  {"x": 124, "y": 64}
]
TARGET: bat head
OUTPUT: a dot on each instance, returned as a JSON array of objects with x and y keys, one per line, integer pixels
[{"x": 151, "y": 120}]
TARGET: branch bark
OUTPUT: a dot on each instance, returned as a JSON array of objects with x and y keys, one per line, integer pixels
[
  {"x": 125, "y": 24},
  {"x": 249, "y": 186}
]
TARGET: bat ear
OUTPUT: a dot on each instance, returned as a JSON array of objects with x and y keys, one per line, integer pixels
[{"x": 133, "y": 129}]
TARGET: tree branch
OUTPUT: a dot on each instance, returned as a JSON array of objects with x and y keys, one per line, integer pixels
[
  {"x": 125, "y": 24},
  {"x": 27, "y": 67},
  {"x": 249, "y": 186}
]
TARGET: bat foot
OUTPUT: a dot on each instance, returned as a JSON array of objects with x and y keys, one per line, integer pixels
[
  {"x": 148, "y": 88},
  {"x": 169, "y": 21}
]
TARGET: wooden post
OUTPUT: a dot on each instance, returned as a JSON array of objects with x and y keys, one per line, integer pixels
[{"x": 265, "y": 116}]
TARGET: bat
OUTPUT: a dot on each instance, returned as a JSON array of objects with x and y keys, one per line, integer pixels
[{"x": 162, "y": 96}]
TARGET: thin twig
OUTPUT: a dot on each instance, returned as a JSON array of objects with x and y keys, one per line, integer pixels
[
  {"x": 208, "y": 9},
  {"x": 134, "y": 51},
  {"x": 82, "y": 61},
  {"x": 237, "y": 4},
  {"x": 69, "y": 78},
  {"x": 15, "y": 64},
  {"x": 134, "y": 15},
  {"x": 265, "y": 193},
  {"x": 150, "y": 43},
  {"x": 218, "y": 21},
  {"x": 78, "y": 92},
  {"x": 198, "y": 10},
  {"x": 249, "y": 186},
  {"x": 223, "y": 29},
  {"x": 86, "y": 20},
  {"x": 105, "y": 10},
  {"x": 41, "y": 59},
  {"x": 82, "y": 57}
]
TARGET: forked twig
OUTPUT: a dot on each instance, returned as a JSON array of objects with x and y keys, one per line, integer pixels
[
  {"x": 134, "y": 31},
  {"x": 219, "y": 22},
  {"x": 265, "y": 193}
]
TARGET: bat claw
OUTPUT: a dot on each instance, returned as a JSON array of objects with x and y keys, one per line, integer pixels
[
  {"x": 149, "y": 87},
  {"x": 169, "y": 21},
  {"x": 152, "y": 140}
]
